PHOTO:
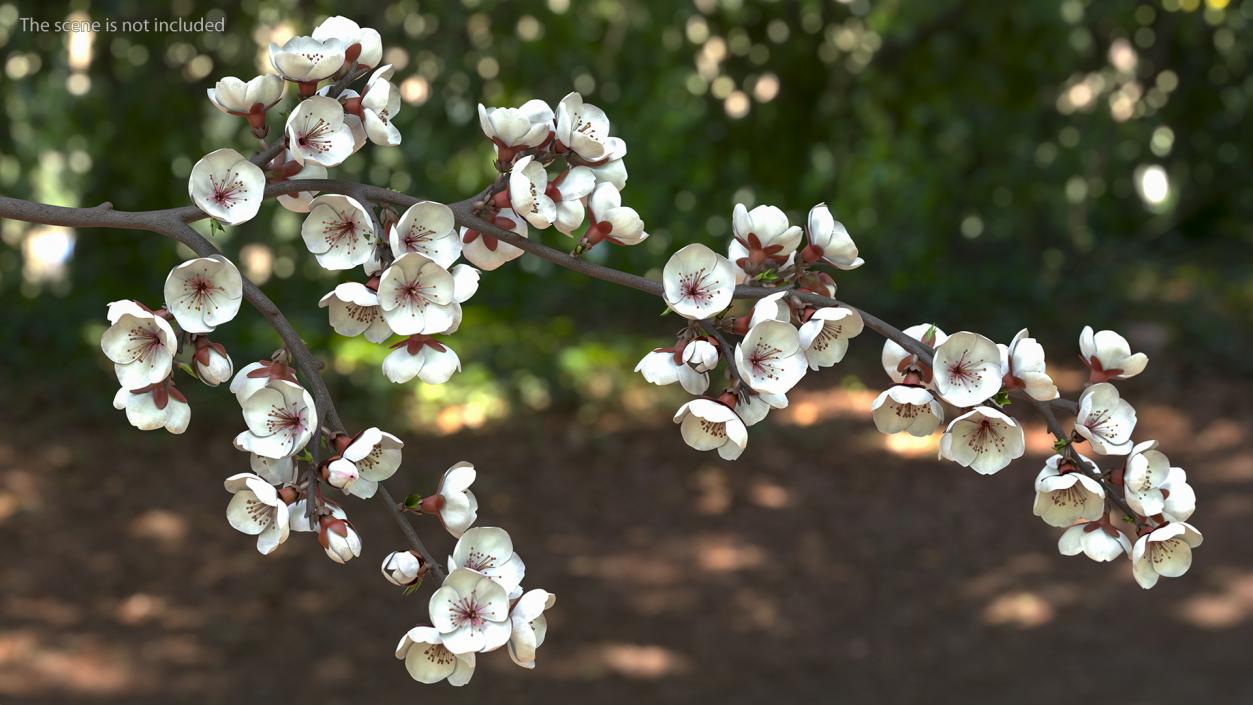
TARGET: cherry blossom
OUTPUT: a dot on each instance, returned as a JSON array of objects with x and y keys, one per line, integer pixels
[
  {"x": 276, "y": 471},
  {"x": 701, "y": 355},
  {"x": 583, "y": 128},
  {"x": 374, "y": 456},
  {"x": 471, "y": 612},
  {"x": 612, "y": 169},
  {"x": 455, "y": 504},
  {"x": 967, "y": 369},
  {"x": 1022, "y": 367},
  {"x": 227, "y": 187},
  {"x": 362, "y": 46},
  {"x": 897, "y": 359},
  {"x": 256, "y": 375},
  {"x": 528, "y": 192},
  {"x": 307, "y": 60},
  {"x": 1098, "y": 541},
  {"x": 529, "y": 626},
  {"x": 612, "y": 221},
  {"x": 281, "y": 419},
  {"x": 1164, "y": 552},
  {"x": 763, "y": 239},
  {"x": 354, "y": 310},
  {"x": 1105, "y": 419},
  {"x": 665, "y": 366},
  {"x": 429, "y": 661},
  {"x": 758, "y": 405},
  {"x": 427, "y": 228},
  {"x": 1108, "y": 355},
  {"x": 416, "y": 296},
  {"x": 423, "y": 357},
  {"x": 829, "y": 240},
  {"x": 824, "y": 337},
  {"x": 378, "y": 105},
  {"x": 572, "y": 187},
  {"x": 213, "y": 366},
  {"x": 339, "y": 231},
  {"x": 707, "y": 424},
  {"x": 339, "y": 539},
  {"x": 1065, "y": 494},
  {"x": 907, "y": 408},
  {"x": 204, "y": 293},
  {"x": 770, "y": 358},
  {"x": 775, "y": 307},
  {"x": 403, "y": 568},
  {"x": 699, "y": 283},
  {"x": 299, "y": 201},
  {"x": 248, "y": 100},
  {"x": 317, "y": 132},
  {"x": 159, "y": 405},
  {"x": 984, "y": 440},
  {"x": 1154, "y": 487},
  {"x": 488, "y": 550},
  {"x": 257, "y": 510},
  {"x": 484, "y": 250},
  {"x": 511, "y": 129},
  {"x": 140, "y": 344}
]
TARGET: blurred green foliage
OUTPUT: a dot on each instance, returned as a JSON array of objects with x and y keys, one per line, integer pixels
[{"x": 999, "y": 164}]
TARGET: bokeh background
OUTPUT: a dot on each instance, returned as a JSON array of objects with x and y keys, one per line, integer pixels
[{"x": 1042, "y": 163}]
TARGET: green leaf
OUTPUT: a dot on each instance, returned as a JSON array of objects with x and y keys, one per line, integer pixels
[
  {"x": 410, "y": 589},
  {"x": 1002, "y": 398},
  {"x": 665, "y": 311},
  {"x": 188, "y": 369},
  {"x": 1060, "y": 444},
  {"x": 413, "y": 500}
]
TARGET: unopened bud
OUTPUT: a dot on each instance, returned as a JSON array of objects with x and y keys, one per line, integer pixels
[
  {"x": 340, "y": 473},
  {"x": 432, "y": 504},
  {"x": 403, "y": 568}
]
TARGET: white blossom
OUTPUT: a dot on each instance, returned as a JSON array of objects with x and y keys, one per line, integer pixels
[
  {"x": 528, "y": 193},
  {"x": 1105, "y": 419},
  {"x": 573, "y": 186},
  {"x": 276, "y": 471},
  {"x": 484, "y": 250},
  {"x": 299, "y": 201},
  {"x": 427, "y": 228},
  {"x": 339, "y": 539},
  {"x": 1098, "y": 541},
  {"x": 307, "y": 59},
  {"x": 236, "y": 97},
  {"x": 213, "y": 366},
  {"x": 227, "y": 187},
  {"x": 824, "y": 337},
  {"x": 317, "y": 132},
  {"x": 354, "y": 310},
  {"x": 906, "y": 408},
  {"x": 529, "y": 626},
  {"x": 770, "y": 358},
  {"x": 429, "y": 661},
  {"x": 257, "y": 510},
  {"x": 158, "y": 406},
  {"x": 375, "y": 456},
  {"x": 967, "y": 369},
  {"x": 379, "y": 105},
  {"x": 488, "y": 550},
  {"x": 664, "y": 366},
  {"x": 583, "y": 128},
  {"x": 775, "y": 307},
  {"x": 698, "y": 282},
  {"x": 611, "y": 220},
  {"x": 1153, "y": 487},
  {"x": 423, "y": 357},
  {"x": 1108, "y": 355},
  {"x": 339, "y": 231},
  {"x": 711, "y": 425},
  {"x": 402, "y": 568},
  {"x": 701, "y": 355},
  {"x": 1164, "y": 552},
  {"x": 458, "y": 508},
  {"x": 983, "y": 439},
  {"x": 829, "y": 240},
  {"x": 526, "y": 126},
  {"x": 362, "y": 46},
  {"x": 763, "y": 239},
  {"x": 1065, "y": 494},
  {"x": 281, "y": 419},
  {"x": 204, "y": 293},
  {"x": 471, "y": 612},
  {"x": 894, "y": 356},
  {"x": 140, "y": 344},
  {"x": 256, "y": 375},
  {"x": 1022, "y": 367},
  {"x": 758, "y": 405},
  {"x": 416, "y": 295}
]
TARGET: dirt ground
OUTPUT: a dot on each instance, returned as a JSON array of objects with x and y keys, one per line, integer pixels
[{"x": 827, "y": 565}]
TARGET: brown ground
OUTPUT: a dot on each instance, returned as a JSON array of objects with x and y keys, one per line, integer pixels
[{"x": 869, "y": 575}]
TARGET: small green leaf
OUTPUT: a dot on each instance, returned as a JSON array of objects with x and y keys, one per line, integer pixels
[
  {"x": 410, "y": 589},
  {"x": 305, "y": 456},
  {"x": 664, "y": 311},
  {"x": 1002, "y": 398},
  {"x": 1060, "y": 444},
  {"x": 413, "y": 500},
  {"x": 215, "y": 227},
  {"x": 767, "y": 276},
  {"x": 188, "y": 369}
]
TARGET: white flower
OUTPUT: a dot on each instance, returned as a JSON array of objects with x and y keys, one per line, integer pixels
[
  {"x": 829, "y": 240},
  {"x": 895, "y": 358},
  {"x": 1108, "y": 355},
  {"x": 402, "y": 568},
  {"x": 1070, "y": 497},
  {"x": 1097, "y": 541},
  {"x": 825, "y": 336},
  {"x": 770, "y": 358},
  {"x": 484, "y": 250},
  {"x": 423, "y": 357},
  {"x": 235, "y": 97},
  {"x": 379, "y": 104},
  {"x": 299, "y": 201},
  {"x": 355, "y": 310},
  {"x": 339, "y": 231},
  {"x": 471, "y": 612},
  {"x": 529, "y": 626},
  {"x": 763, "y": 239},
  {"x": 257, "y": 510},
  {"x": 213, "y": 366},
  {"x": 362, "y": 46},
  {"x": 427, "y": 228},
  {"x": 416, "y": 295},
  {"x": 1022, "y": 367},
  {"x": 611, "y": 220},
  {"x": 340, "y": 473},
  {"x": 281, "y": 419},
  {"x": 711, "y": 425},
  {"x": 906, "y": 408},
  {"x": 1166, "y": 552},
  {"x": 983, "y": 439},
  {"x": 528, "y": 192},
  {"x": 527, "y": 126},
  {"x": 339, "y": 539},
  {"x": 698, "y": 282},
  {"x": 758, "y": 406},
  {"x": 276, "y": 471},
  {"x": 317, "y": 132},
  {"x": 429, "y": 661},
  {"x": 967, "y": 369},
  {"x": 583, "y": 128},
  {"x": 573, "y": 186},
  {"x": 256, "y": 375},
  {"x": 307, "y": 59},
  {"x": 612, "y": 169},
  {"x": 664, "y": 366},
  {"x": 375, "y": 456},
  {"x": 775, "y": 307},
  {"x": 701, "y": 355},
  {"x": 458, "y": 508},
  {"x": 226, "y": 186},
  {"x": 1153, "y": 487},
  {"x": 158, "y": 406},
  {"x": 488, "y": 550},
  {"x": 204, "y": 293},
  {"x": 1105, "y": 419},
  {"x": 140, "y": 344}
]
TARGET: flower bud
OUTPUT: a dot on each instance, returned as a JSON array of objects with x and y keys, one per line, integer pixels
[
  {"x": 213, "y": 366},
  {"x": 339, "y": 539},
  {"x": 340, "y": 473},
  {"x": 432, "y": 504},
  {"x": 403, "y": 568},
  {"x": 701, "y": 355}
]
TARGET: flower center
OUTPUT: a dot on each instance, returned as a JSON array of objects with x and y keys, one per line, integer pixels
[
  {"x": 228, "y": 190},
  {"x": 467, "y": 611},
  {"x": 986, "y": 437}
]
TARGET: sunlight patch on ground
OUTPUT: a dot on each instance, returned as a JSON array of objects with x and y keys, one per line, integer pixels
[
  {"x": 1225, "y": 609},
  {"x": 1025, "y": 610},
  {"x": 28, "y": 667}
]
